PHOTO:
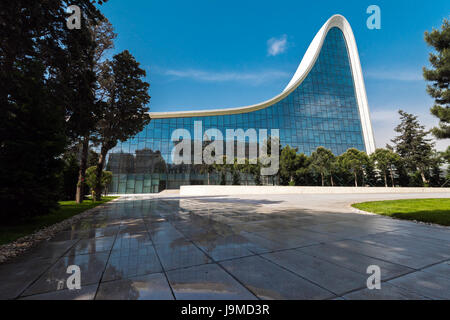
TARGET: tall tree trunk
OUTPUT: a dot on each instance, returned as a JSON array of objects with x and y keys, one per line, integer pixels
[
  {"x": 385, "y": 179},
  {"x": 356, "y": 179},
  {"x": 323, "y": 182},
  {"x": 331, "y": 180},
  {"x": 82, "y": 172},
  {"x": 392, "y": 178},
  {"x": 422, "y": 174},
  {"x": 98, "y": 174}
]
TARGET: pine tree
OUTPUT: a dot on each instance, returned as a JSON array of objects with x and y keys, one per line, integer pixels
[
  {"x": 412, "y": 144},
  {"x": 439, "y": 75}
]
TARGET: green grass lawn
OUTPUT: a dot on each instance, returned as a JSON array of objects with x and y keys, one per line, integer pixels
[
  {"x": 425, "y": 210},
  {"x": 66, "y": 210}
]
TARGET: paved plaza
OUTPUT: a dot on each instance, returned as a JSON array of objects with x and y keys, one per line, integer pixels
[{"x": 247, "y": 247}]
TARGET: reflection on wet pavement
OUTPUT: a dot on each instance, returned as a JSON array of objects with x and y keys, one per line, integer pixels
[{"x": 229, "y": 248}]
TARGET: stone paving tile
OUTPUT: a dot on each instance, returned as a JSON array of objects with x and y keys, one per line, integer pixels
[
  {"x": 288, "y": 239},
  {"x": 387, "y": 292},
  {"x": 90, "y": 246},
  {"x": 85, "y": 293},
  {"x": 206, "y": 282},
  {"x": 342, "y": 231},
  {"x": 385, "y": 254},
  {"x": 428, "y": 284},
  {"x": 355, "y": 261},
  {"x": 50, "y": 250},
  {"x": 126, "y": 264},
  {"x": 164, "y": 234},
  {"x": 86, "y": 234},
  {"x": 180, "y": 254},
  {"x": 367, "y": 224},
  {"x": 269, "y": 281},
  {"x": 148, "y": 287},
  {"x": 20, "y": 273},
  {"x": 262, "y": 245},
  {"x": 225, "y": 248},
  {"x": 441, "y": 269},
  {"x": 424, "y": 231},
  {"x": 91, "y": 266},
  {"x": 126, "y": 244},
  {"x": 132, "y": 242},
  {"x": 330, "y": 276},
  {"x": 409, "y": 245},
  {"x": 196, "y": 233}
]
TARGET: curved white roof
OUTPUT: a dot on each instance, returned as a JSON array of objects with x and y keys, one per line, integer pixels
[{"x": 307, "y": 63}]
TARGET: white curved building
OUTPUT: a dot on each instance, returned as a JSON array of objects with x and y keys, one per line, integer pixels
[{"x": 324, "y": 104}]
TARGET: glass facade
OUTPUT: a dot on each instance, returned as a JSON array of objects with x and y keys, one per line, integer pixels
[{"x": 321, "y": 111}]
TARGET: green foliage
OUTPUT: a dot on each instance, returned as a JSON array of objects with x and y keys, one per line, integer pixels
[
  {"x": 126, "y": 96},
  {"x": 236, "y": 178},
  {"x": 446, "y": 155},
  {"x": 412, "y": 144},
  {"x": 289, "y": 163},
  {"x": 322, "y": 161},
  {"x": 439, "y": 75},
  {"x": 69, "y": 177},
  {"x": 435, "y": 172},
  {"x": 354, "y": 161},
  {"x": 91, "y": 178},
  {"x": 385, "y": 161},
  {"x": 370, "y": 177},
  {"x": 223, "y": 178},
  {"x": 34, "y": 58}
]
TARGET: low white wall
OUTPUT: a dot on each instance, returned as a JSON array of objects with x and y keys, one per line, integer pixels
[{"x": 193, "y": 191}]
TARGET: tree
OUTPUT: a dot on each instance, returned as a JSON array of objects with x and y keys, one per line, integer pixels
[
  {"x": 254, "y": 170},
  {"x": 235, "y": 174},
  {"x": 126, "y": 95},
  {"x": 87, "y": 48},
  {"x": 91, "y": 181},
  {"x": 446, "y": 155},
  {"x": 206, "y": 168},
  {"x": 32, "y": 123},
  {"x": 79, "y": 85},
  {"x": 355, "y": 161},
  {"x": 439, "y": 75},
  {"x": 370, "y": 176},
  {"x": 69, "y": 176},
  {"x": 303, "y": 174},
  {"x": 385, "y": 160},
  {"x": 412, "y": 144},
  {"x": 322, "y": 161},
  {"x": 289, "y": 163}
]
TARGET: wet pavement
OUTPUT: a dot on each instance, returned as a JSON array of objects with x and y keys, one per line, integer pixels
[{"x": 249, "y": 247}]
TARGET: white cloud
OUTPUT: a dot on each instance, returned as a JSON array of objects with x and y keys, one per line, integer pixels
[
  {"x": 256, "y": 77},
  {"x": 276, "y": 46}
]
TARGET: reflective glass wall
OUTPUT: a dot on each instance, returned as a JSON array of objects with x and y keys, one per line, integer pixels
[{"x": 322, "y": 111}]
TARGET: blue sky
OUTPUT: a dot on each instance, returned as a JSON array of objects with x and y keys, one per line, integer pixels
[{"x": 206, "y": 54}]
